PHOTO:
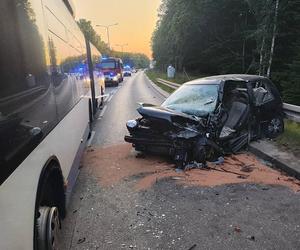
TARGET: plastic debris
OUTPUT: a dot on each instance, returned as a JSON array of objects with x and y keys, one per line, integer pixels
[
  {"x": 220, "y": 161},
  {"x": 194, "y": 165}
]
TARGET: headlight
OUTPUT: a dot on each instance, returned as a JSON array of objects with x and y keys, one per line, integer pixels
[
  {"x": 115, "y": 78},
  {"x": 132, "y": 124}
]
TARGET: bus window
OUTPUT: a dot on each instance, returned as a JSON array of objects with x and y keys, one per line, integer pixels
[{"x": 27, "y": 106}]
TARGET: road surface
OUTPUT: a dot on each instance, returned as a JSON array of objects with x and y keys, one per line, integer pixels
[{"x": 167, "y": 215}]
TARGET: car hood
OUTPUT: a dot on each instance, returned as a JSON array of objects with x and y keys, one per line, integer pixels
[{"x": 149, "y": 111}]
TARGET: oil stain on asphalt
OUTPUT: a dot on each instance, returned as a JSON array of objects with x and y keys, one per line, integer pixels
[{"x": 113, "y": 164}]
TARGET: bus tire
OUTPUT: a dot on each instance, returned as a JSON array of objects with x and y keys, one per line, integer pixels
[
  {"x": 48, "y": 227},
  {"x": 50, "y": 207}
]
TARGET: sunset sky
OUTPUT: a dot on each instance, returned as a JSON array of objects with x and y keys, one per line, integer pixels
[{"x": 136, "y": 18}]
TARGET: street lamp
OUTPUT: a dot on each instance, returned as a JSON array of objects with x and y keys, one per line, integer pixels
[
  {"x": 107, "y": 30},
  {"x": 122, "y": 46}
]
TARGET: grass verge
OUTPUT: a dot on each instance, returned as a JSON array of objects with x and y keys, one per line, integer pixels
[
  {"x": 153, "y": 75},
  {"x": 180, "y": 78},
  {"x": 290, "y": 139}
]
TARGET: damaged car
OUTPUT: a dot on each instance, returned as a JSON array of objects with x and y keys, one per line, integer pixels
[{"x": 208, "y": 118}]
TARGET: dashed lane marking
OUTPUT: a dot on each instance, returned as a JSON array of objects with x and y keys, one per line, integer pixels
[
  {"x": 109, "y": 99},
  {"x": 102, "y": 112}
]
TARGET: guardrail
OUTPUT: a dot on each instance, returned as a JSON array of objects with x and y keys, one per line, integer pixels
[
  {"x": 292, "y": 112},
  {"x": 172, "y": 85}
]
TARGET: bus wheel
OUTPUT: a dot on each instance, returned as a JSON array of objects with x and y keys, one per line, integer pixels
[{"x": 48, "y": 227}]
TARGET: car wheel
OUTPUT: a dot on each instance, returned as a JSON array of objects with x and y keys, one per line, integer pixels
[{"x": 274, "y": 127}]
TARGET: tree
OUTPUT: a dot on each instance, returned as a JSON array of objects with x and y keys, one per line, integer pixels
[
  {"x": 231, "y": 36},
  {"x": 88, "y": 30}
]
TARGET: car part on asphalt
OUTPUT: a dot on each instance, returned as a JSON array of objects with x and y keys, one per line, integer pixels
[{"x": 208, "y": 118}]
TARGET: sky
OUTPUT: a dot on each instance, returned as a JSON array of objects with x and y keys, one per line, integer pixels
[{"x": 136, "y": 21}]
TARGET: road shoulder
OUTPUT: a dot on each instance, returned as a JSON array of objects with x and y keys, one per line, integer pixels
[{"x": 282, "y": 160}]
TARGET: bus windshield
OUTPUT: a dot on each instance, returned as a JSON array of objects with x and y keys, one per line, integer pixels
[{"x": 108, "y": 65}]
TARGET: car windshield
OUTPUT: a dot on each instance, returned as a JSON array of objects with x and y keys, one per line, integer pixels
[
  {"x": 197, "y": 100},
  {"x": 108, "y": 65}
]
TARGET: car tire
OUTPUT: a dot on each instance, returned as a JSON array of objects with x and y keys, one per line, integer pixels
[{"x": 274, "y": 127}]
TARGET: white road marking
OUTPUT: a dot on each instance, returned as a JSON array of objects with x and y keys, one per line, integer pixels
[
  {"x": 109, "y": 99},
  {"x": 102, "y": 112},
  {"x": 106, "y": 98},
  {"x": 89, "y": 142}
]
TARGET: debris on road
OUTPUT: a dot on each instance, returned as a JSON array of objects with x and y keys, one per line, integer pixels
[
  {"x": 192, "y": 247},
  {"x": 110, "y": 165},
  {"x": 251, "y": 237},
  {"x": 247, "y": 168},
  {"x": 80, "y": 241},
  {"x": 237, "y": 229}
]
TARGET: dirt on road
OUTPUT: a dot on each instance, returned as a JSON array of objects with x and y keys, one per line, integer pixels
[{"x": 112, "y": 164}]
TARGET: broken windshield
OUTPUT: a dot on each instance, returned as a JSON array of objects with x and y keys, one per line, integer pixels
[{"x": 198, "y": 100}]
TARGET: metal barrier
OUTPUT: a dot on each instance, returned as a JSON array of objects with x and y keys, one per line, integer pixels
[
  {"x": 292, "y": 112},
  {"x": 172, "y": 85}
]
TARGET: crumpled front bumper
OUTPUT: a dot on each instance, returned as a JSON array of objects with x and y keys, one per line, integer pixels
[
  {"x": 147, "y": 142},
  {"x": 156, "y": 146}
]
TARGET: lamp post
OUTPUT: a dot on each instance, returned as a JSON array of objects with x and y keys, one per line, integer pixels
[
  {"x": 107, "y": 31},
  {"x": 122, "y": 46}
]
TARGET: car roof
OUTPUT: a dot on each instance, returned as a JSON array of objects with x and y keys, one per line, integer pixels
[{"x": 219, "y": 78}]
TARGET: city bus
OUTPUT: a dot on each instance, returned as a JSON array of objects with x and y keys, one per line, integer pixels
[{"x": 49, "y": 92}]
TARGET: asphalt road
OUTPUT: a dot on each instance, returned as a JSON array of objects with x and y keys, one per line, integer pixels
[{"x": 168, "y": 215}]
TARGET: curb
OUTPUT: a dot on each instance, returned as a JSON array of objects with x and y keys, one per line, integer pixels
[
  {"x": 165, "y": 94},
  {"x": 276, "y": 163}
]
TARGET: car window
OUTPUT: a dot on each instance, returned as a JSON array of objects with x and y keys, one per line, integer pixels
[{"x": 261, "y": 92}]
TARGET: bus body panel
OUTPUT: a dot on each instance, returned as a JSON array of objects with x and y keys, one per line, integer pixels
[
  {"x": 44, "y": 107},
  {"x": 18, "y": 192},
  {"x": 97, "y": 73},
  {"x": 44, "y": 74}
]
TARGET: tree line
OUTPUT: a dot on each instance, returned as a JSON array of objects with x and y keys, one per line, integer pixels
[
  {"x": 137, "y": 60},
  {"x": 232, "y": 36}
]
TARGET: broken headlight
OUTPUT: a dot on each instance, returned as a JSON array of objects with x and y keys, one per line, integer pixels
[{"x": 131, "y": 124}]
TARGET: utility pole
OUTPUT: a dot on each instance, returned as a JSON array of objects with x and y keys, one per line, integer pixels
[{"x": 107, "y": 31}]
